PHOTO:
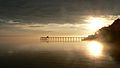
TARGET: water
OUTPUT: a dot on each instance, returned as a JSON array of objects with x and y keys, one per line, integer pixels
[{"x": 31, "y": 53}]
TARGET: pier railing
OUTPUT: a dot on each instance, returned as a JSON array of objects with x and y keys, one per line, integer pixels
[{"x": 62, "y": 39}]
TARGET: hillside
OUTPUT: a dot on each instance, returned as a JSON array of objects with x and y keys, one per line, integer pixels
[{"x": 109, "y": 34}]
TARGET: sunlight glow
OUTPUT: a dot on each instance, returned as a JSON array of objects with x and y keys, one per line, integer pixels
[
  {"x": 95, "y": 49},
  {"x": 96, "y": 23}
]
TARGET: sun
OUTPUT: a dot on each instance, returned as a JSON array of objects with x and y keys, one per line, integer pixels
[{"x": 95, "y": 23}]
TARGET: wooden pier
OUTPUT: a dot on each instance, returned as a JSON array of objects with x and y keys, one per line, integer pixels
[{"x": 61, "y": 39}]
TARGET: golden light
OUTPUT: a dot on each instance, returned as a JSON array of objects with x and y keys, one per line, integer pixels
[
  {"x": 95, "y": 49},
  {"x": 96, "y": 23}
]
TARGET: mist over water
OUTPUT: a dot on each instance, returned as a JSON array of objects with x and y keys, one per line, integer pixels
[{"x": 32, "y": 53}]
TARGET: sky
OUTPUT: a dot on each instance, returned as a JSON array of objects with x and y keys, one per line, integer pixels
[{"x": 54, "y": 17}]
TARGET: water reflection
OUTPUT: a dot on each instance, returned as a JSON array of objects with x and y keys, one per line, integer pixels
[
  {"x": 95, "y": 49},
  {"x": 36, "y": 54}
]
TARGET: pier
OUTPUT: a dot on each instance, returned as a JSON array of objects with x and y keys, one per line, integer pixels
[{"x": 61, "y": 39}]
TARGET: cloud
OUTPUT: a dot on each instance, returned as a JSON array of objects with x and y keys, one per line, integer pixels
[
  {"x": 12, "y": 22},
  {"x": 55, "y": 11},
  {"x": 45, "y": 16},
  {"x": 35, "y": 26},
  {"x": 79, "y": 26}
]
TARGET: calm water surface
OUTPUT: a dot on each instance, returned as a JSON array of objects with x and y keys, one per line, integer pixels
[{"x": 36, "y": 54}]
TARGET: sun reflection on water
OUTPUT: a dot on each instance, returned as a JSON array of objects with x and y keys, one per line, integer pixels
[{"x": 95, "y": 49}]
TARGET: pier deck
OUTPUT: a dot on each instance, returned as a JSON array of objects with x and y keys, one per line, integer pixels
[{"x": 61, "y": 39}]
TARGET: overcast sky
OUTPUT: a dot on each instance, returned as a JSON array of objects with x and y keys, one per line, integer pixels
[{"x": 47, "y": 16}]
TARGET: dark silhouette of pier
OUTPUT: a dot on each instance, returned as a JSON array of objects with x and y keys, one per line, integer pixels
[{"x": 61, "y": 39}]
